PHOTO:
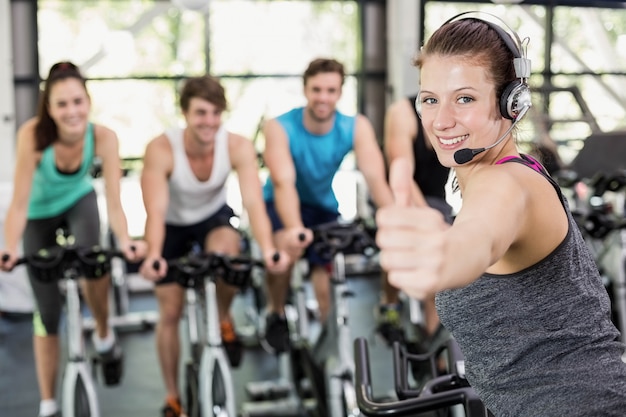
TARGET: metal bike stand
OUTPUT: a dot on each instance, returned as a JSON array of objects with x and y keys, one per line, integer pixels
[
  {"x": 210, "y": 390},
  {"x": 78, "y": 372},
  {"x": 337, "y": 357},
  {"x": 214, "y": 361},
  {"x": 440, "y": 393},
  {"x": 328, "y": 364},
  {"x": 120, "y": 316},
  {"x": 288, "y": 403}
]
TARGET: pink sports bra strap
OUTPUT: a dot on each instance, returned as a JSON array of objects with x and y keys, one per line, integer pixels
[{"x": 527, "y": 159}]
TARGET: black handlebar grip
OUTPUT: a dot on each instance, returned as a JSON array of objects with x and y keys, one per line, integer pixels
[
  {"x": 5, "y": 257},
  {"x": 276, "y": 257},
  {"x": 301, "y": 237},
  {"x": 156, "y": 265}
]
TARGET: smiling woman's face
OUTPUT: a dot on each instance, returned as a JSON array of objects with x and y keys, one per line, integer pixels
[
  {"x": 69, "y": 106},
  {"x": 458, "y": 105}
]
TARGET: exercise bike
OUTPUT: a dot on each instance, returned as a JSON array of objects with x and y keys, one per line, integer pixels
[
  {"x": 320, "y": 375},
  {"x": 208, "y": 378},
  {"x": 600, "y": 218},
  {"x": 69, "y": 263},
  {"x": 439, "y": 394}
]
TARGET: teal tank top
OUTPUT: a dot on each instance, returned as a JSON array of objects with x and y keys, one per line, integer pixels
[
  {"x": 54, "y": 192},
  {"x": 316, "y": 158}
]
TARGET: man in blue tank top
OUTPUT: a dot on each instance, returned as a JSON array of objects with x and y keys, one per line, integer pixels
[{"x": 304, "y": 149}]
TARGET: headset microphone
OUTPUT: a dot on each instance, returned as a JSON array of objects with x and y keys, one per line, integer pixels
[{"x": 463, "y": 156}]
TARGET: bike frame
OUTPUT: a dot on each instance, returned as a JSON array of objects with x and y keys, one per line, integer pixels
[
  {"x": 339, "y": 365},
  {"x": 214, "y": 358},
  {"x": 77, "y": 366}
]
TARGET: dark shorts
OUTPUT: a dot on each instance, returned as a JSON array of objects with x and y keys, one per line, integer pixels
[
  {"x": 83, "y": 222},
  {"x": 180, "y": 240},
  {"x": 311, "y": 216}
]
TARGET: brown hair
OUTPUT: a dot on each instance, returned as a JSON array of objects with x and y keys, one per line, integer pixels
[
  {"x": 46, "y": 129},
  {"x": 321, "y": 65},
  {"x": 478, "y": 42},
  {"x": 205, "y": 87}
]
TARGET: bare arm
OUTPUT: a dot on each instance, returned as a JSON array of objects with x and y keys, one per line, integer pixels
[
  {"x": 25, "y": 166},
  {"x": 244, "y": 162},
  {"x": 107, "y": 148},
  {"x": 371, "y": 162},
  {"x": 503, "y": 212},
  {"x": 401, "y": 129},
  {"x": 283, "y": 174},
  {"x": 157, "y": 166}
]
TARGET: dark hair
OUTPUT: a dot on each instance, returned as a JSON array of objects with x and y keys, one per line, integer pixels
[
  {"x": 478, "y": 42},
  {"x": 205, "y": 87},
  {"x": 321, "y": 65},
  {"x": 46, "y": 129}
]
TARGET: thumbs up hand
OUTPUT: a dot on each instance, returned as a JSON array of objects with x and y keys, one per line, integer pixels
[{"x": 411, "y": 237}]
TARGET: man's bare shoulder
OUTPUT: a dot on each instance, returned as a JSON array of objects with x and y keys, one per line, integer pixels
[
  {"x": 402, "y": 107},
  {"x": 158, "y": 154},
  {"x": 160, "y": 144}
]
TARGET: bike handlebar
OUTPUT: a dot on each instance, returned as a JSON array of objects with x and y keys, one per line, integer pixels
[
  {"x": 190, "y": 271},
  {"x": 340, "y": 237},
  {"x": 54, "y": 262},
  {"x": 429, "y": 399}
]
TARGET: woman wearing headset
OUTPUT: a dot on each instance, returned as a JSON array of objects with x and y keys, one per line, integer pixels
[{"x": 514, "y": 281}]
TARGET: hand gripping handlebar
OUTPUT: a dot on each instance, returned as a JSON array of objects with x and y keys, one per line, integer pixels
[
  {"x": 190, "y": 271},
  {"x": 54, "y": 262}
]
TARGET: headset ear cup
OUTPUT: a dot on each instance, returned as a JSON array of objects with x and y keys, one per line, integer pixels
[
  {"x": 418, "y": 107},
  {"x": 515, "y": 96}
]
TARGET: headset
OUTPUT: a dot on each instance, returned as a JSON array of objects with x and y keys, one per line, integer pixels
[{"x": 515, "y": 100}]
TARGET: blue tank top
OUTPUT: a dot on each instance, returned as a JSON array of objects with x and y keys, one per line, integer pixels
[
  {"x": 53, "y": 192},
  {"x": 316, "y": 158},
  {"x": 540, "y": 342}
]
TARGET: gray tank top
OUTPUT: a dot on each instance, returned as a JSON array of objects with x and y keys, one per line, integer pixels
[{"x": 541, "y": 342}]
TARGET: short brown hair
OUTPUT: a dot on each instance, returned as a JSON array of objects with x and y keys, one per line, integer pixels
[
  {"x": 205, "y": 87},
  {"x": 321, "y": 65}
]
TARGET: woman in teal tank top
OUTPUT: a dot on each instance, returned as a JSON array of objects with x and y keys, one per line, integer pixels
[{"x": 52, "y": 188}]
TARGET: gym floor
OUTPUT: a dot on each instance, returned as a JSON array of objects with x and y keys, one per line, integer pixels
[{"x": 141, "y": 393}]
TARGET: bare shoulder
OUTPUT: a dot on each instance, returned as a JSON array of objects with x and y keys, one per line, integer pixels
[
  {"x": 363, "y": 128},
  {"x": 26, "y": 132},
  {"x": 159, "y": 147},
  {"x": 106, "y": 142},
  {"x": 103, "y": 133},
  {"x": 235, "y": 139},
  {"x": 361, "y": 119},
  {"x": 240, "y": 149},
  {"x": 26, "y": 143},
  {"x": 272, "y": 128},
  {"x": 511, "y": 182},
  {"x": 401, "y": 113}
]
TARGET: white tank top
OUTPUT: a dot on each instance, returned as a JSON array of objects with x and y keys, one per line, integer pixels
[{"x": 192, "y": 200}]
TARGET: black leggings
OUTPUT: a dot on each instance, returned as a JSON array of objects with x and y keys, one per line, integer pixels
[{"x": 83, "y": 222}]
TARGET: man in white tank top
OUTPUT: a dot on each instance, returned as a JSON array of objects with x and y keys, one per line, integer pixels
[{"x": 184, "y": 192}]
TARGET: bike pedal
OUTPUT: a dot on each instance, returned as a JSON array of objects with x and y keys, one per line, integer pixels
[
  {"x": 94, "y": 365},
  {"x": 112, "y": 366}
]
